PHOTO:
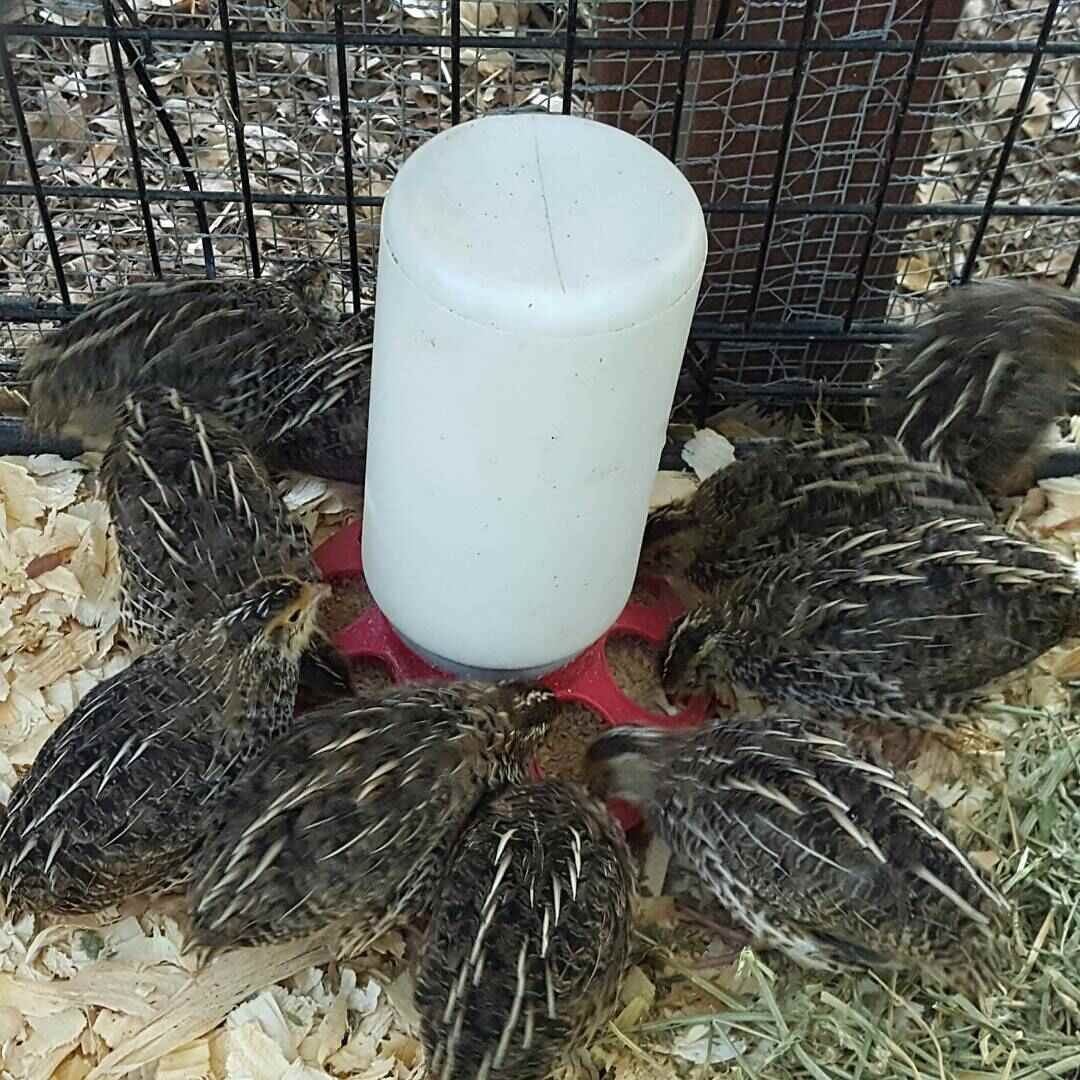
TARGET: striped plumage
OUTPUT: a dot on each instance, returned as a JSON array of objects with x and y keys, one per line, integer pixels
[
  {"x": 978, "y": 386},
  {"x": 529, "y": 936},
  {"x": 265, "y": 354},
  {"x": 128, "y": 786},
  {"x": 879, "y": 623},
  {"x": 768, "y": 501},
  {"x": 76, "y": 375},
  {"x": 195, "y": 514},
  {"x": 353, "y": 812},
  {"x": 298, "y": 393},
  {"x": 812, "y": 845},
  {"x": 197, "y": 519}
]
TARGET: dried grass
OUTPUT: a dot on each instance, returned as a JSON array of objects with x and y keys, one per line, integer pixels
[
  {"x": 979, "y": 100},
  {"x": 292, "y": 117},
  {"x": 398, "y": 97}
]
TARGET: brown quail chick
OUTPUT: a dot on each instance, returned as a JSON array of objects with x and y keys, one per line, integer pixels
[
  {"x": 977, "y": 387},
  {"x": 788, "y": 490},
  {"x": 197, "y": 519},
  {"x": 299, "y": 395},
  {"x": 529, "y": 935},
  {"x": 811, "y": 845},
  {"x": 887, "y": 624},
  {"x": 130, "y": 784},
  {"x": 263, "y": 354},
  {"x": 353, "y": 813},
  {"x": 76, "y": 376}
]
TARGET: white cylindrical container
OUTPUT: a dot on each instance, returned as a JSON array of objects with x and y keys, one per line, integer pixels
[{"x": 537, "y": 278}]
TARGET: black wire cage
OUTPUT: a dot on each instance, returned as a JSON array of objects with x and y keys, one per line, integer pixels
[{"x": 851, "y": 156}]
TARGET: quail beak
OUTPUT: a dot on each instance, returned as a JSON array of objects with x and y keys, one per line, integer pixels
[
  {"x": 673, "y": 702},
  {"x": 665, "y": 704},
  {"x": 313, "y": 595}
]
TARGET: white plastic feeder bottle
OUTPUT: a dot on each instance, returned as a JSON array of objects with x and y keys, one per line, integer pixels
[{"x": 537, "y": 278}]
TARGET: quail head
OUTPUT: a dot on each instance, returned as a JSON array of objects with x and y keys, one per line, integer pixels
[
  {"x": 197, "y": 519},
  {"x": 978, "y": 386},
  {"x": 879, "y": 623},
  {"x": 814, "y": 847},
  {"x": 529, "y": 935},
  {"x": 264, "y": 354},
  {"x": 770, "y": 500},
  {"x": 129, "y": 785},
  {"x": 309, "y": 280},
  {"x": 352, "y": 814}
]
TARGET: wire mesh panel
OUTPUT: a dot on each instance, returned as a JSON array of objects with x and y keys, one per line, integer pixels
[
  {"x": 851, "y": 157},
  {"x": 792, "y": 145},
  {"x": 815, "y": 135}
]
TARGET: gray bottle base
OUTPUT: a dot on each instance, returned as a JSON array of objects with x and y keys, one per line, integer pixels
[{"x": 464, "y": 671}]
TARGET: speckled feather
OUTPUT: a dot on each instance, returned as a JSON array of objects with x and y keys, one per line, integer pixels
[
  {"x": 196, "y": 515},
  {"x": 815, "y": 847},
  {"x": 265, "y": 354},
  {"x": 978, "y": 386},
  {"x": 529, "y": 936},
  {"x": 79, "y": 372},
  {"x": 298, "y": 394},
  {"x": 197, "y": 519},
  {"x": 788, "y": 490},
  {"x": 353, "y": 813},
  {"x": 122, "y": 793},
  {"x": 878, "y": 623}
]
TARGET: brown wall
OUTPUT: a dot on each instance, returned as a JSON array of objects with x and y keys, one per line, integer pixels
[{"x": 732, "y": 142}]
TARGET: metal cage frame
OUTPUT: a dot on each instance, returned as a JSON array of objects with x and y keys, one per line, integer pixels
[{"x": 705, "y": 383}]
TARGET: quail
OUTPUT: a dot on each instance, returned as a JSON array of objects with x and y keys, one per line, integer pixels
[
  {"x": 266, "y": 354},
  {"x": 978, "y": 386},
  {"x": 771, "y": 499},
  {"x": 130, "y": 784},
  {"x": 352, "y": 814},
  {"x": 887, "y": 624},
  {"x": 811, "y": 844},
  {"x": 299, "y": 394},
  {"x": 75, "y": 375},
  {"x": 529, "y": 935},
  {"x": 197, "y": 519}
]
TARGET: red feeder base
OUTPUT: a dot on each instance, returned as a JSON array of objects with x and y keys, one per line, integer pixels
[{"x": 586, "y": 680}]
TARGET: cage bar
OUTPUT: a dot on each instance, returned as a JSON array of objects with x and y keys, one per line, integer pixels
[{"x": 826, "y": 142}]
